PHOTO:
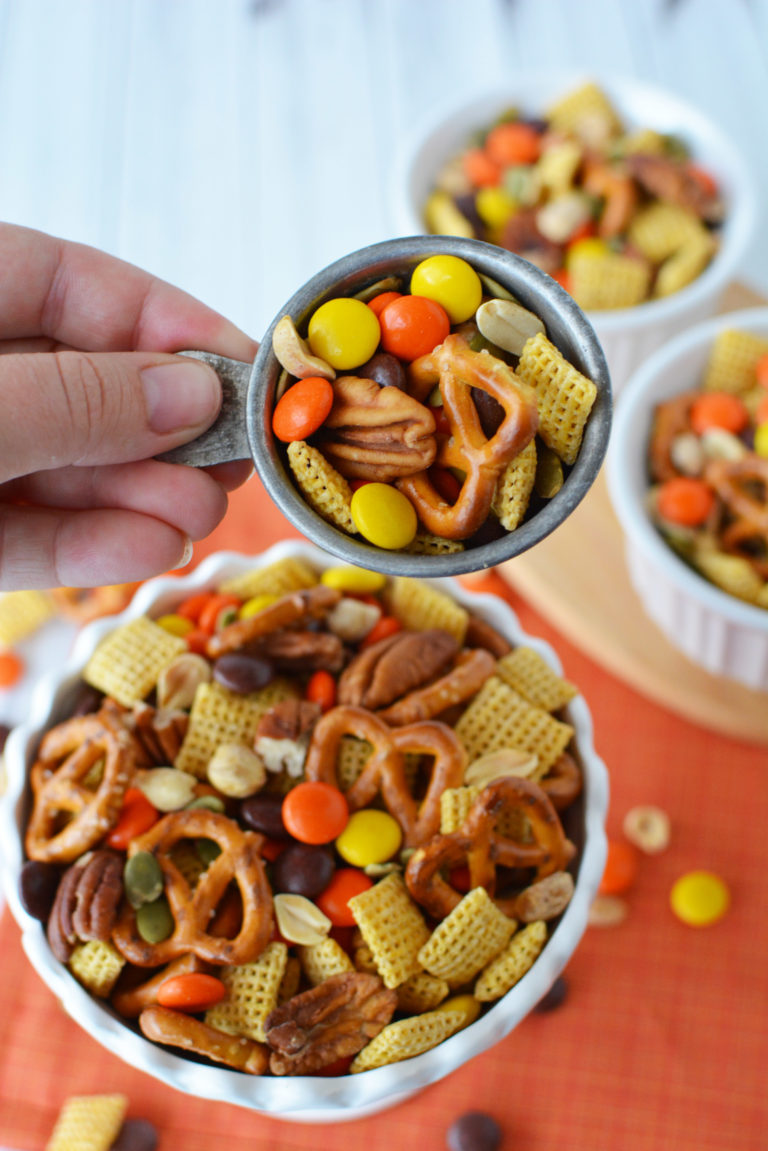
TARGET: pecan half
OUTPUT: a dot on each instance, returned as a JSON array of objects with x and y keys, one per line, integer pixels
[
  {"x": 283, "y": 734},
  {"x": 86, "y": 903},
  {"x": 376, "y": 433},
  {"x": 337, "y": 1018},
  {"x": 664, "y": 177},
  {"x": 295, "y": 651},
  {"x": 382, "y": 673}
]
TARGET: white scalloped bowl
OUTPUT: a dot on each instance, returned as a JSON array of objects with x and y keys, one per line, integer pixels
[
  {"x": 715, "y": 630},
  {"x": 299, "y": 1099},
  {"x": 627, "y": 335}
]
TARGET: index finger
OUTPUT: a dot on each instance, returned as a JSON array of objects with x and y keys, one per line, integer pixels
[{"x": 86, "y": 299}]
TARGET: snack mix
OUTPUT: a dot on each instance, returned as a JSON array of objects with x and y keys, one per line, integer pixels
[
  {"x": 618, "y": 217},
  {"x": 310, "y": 822},
  {"x": 708, "y": 466},
  {"x": 430, "y": 413}
]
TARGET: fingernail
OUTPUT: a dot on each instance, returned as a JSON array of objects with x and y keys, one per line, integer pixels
[{"x": 181, "y": 395}]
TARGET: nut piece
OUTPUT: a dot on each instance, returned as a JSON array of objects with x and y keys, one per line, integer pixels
[
  {"x": 375, "y": 433},
  {"x": 607, "y": 911},
  {"x": 294, "y": 354},
  {"x": 300, "y": 920},
  {"x": 351, "y": 619},
  {"x": 236, "y": 771},
  {"x": 178, "y": 682},
  {"x": 283, "y": 734},
  {"x": 507, "y": 324},
  {"x": 167, "y": 788},
  {"x": 86, "y": 902},
  {"x": 498, "y": 764},
  {"x": 647, "y": 827},
  {"x": 335, "y": 1019},
  {"x": 394, "y": 666},
  {"x": 544, "y": 899}
]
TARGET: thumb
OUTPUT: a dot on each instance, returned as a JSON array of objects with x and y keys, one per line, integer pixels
[{"x": 63, "y": 408}]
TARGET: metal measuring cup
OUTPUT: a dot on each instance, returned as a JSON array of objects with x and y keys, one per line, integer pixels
[{"x": 244, "y": 426}]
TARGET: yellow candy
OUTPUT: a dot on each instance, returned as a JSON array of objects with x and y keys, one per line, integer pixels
[
  {"x": 384, "y": 516},
  {"x": 256, "y": 604},
  {"x": 699, "y": 898},
  {"x": 450, "y": 281},
  {"x": 591, "y": 246},
  {"x": 175, "y": 624},
  {"x": 761, "y": 440},
  {"x": 348, "y": 578},
  {"x": 370, "y": 836},
  {"x": 344, "y": 332},
  {"x": 495, "y": 206},
  {"x": 465, "y": 1003}
]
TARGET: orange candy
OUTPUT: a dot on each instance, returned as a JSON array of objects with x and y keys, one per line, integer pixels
[
  {"x": 513, "y": 143},
  {"x": 334, "y": 901},
  {"x": 621, "y": 868},
  {"x": 685, "y": 500},
  {"x": 718, "y": 410},
  {"x": 11, "y": 668},
  {"x": 315, "y": 812},
  {"x": 302, "y": 409},
  {"x": 412, "y": 326},
  {"x": 192, "y": 991},
  {"x": 136, "y": 817}
]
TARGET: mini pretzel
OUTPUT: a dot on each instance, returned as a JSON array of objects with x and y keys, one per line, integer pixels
[
  {"x": 742, "y": 485},
  {"x": 193, "y": 909},
  {"x": 468, "y": 675},
  {"x": 67, "y": 756},
  {"x": 478, "y": 845},
  {"x": 384, "y": 771},
  {"x": 176, "y": 1029},
  {"x": 672, "y": 418},
  {"x": 458, "y": 369},
  {"x": 563, "y": 782},
  {"x": 297, "y": 606}
]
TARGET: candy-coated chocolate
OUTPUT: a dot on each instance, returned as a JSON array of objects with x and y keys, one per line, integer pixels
[
  {"x": 384, "y": 516},
  {"x": 371, "y": 836}
]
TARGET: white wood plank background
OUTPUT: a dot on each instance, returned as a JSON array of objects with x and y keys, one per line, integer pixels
[{"x": 235, "y": 147}]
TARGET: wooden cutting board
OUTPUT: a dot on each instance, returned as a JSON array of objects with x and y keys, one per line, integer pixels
[{"x": 577, "y": 579}]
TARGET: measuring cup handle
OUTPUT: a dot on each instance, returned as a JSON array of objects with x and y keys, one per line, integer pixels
[{"x": 227, "y": 438}]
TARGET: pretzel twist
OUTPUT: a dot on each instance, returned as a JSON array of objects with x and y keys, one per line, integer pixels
[
  {"x": 465, "y": 678},
  {"x": 482, "y": 849},
  {"x": 177, "y": 1029},
  {"x": 193, "y": 909},
  {"x": 59, "y": 778},
  {"x": 458, "y": 369},
  {"x": 563, "y": 782},
  {"x": 384, "y": 772}
]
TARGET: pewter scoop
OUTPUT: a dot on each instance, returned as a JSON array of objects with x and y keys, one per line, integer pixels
[{"x": 244, "y": 426}]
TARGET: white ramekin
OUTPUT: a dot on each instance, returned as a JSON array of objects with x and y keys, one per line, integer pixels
[
  {"x": 627, "y": 335},
  {"x": 719, "y": 632},
  {"x": 296, "y": 1098}
]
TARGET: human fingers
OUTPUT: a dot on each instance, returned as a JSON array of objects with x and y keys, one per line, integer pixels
[
  {"x": 76, "y": 408},
  {"x": 187, "y": 499},
  {"x": 43, "y": 548},
  {"x": 84, "y": 298}
]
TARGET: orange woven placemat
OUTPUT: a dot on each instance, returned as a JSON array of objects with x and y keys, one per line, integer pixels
[{"x": 662, "y": 1041}]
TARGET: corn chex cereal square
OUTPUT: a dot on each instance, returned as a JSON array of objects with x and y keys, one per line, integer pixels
[
  {"x": 471, "y": 935},
  {"x": 219, "y": 716},
  {"x": 732, "y": 361},
  {"x": 426, "y": 544},
  {"x": 88, "y": 1123},
  {"x": 96, "y": 965},
  {"x": 499, "y": 716},
  {"x": 600, "y": 283},
  {"x": 684, "y": 265},
  {"x": 252, "y": 992},
  {"x": 278, "y": 579},
  {"x": 408, "y": 1037},
  {"x": 321, "y": 960},
  {"x": 127, "y": 663},
  {"x": 529, "y": 674},
  {"x": 419, "y": 606},
  {"x": 511, "y": 964},
  {"x": 565, "y": 396},
  {"x": 21, "y": 614},
  {"x": 661, "y": 228},
  {"x": 324, "y": 489},
  {"x": 455, "y": 803},
  {"x": 586, "y": 112},
  {"x": 514, "y": 487},
  {"x": 422, "y": 992},
  {"x": 393, "y": 928}
]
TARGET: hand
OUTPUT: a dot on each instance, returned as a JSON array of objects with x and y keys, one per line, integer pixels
[{"x": 90, "y": 393}]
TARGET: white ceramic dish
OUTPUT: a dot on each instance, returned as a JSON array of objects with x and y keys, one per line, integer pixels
[
  {"x": 627, "y": 335},
  {"x": 721, "y": 633},
  {"x": 302, "y": 1099}
]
